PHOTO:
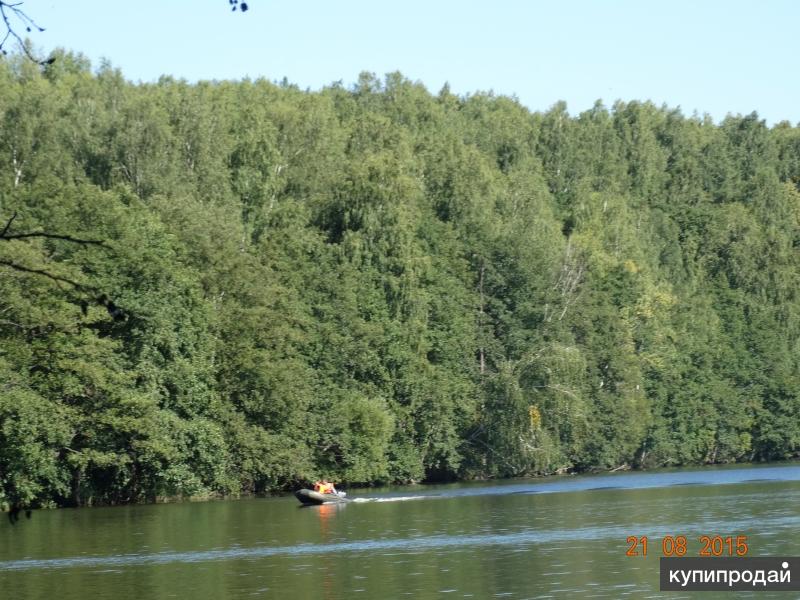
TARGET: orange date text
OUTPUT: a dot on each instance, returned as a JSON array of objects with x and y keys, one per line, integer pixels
[{"x": 679, "y": 545}]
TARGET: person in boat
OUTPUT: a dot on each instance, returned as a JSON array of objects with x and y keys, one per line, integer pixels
[{"x": 325, "y": 487}]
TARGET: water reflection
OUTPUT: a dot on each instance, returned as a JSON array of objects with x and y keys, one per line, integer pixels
[{"x": 326, "y": 513}]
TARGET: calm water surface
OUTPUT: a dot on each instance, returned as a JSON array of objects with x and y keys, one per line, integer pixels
[{"x": 544, "y": 538}]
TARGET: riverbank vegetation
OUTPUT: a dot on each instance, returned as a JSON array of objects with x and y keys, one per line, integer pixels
[{"x": 232, "y": 287}]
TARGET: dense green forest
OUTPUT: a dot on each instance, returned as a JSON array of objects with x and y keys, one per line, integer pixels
[{"x": 234, "y": 287}]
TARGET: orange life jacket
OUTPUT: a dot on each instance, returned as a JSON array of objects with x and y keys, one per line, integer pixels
[{"x": 323, "y": 488}]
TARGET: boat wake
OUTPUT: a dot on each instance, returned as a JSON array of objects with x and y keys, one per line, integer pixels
[
  {"x": 393, "y": 499},
  {"x": 610, "y": 482}
]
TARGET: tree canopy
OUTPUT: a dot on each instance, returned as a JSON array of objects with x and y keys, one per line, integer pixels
[{"x": 232, "y": 287}]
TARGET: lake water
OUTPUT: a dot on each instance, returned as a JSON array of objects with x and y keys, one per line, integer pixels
[{"x": 560, "y": 537}]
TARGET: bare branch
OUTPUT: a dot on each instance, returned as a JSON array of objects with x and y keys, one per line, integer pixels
[
  {"x": 9, "y": 10},
  {"x": 15, "y": 18},
  {"x": 570, "y": 277}
]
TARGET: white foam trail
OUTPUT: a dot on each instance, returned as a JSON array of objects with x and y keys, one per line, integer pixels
[
  {"x": 403, "y": 498},
  {"x": 395, "y": 499}
]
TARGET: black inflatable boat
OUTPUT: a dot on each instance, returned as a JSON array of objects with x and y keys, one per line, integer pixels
[{"x": 312, "y": 497}]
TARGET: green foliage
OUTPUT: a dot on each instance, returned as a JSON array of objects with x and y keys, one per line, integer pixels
[
  {"x": 379, "y": 284},
  {"x": 34, "y": 433}
]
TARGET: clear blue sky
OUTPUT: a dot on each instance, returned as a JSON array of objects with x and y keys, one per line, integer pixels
[{"x": 709, "y": 56}]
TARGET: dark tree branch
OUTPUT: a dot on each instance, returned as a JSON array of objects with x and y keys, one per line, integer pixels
[
  {"x": 5, "y": 229},
  {"x": 12, "y": 10},
  {"x": 15, "y": 18},
  {"x": 5, "y": 235},
  {"x": 55, "y": 236},
  {"x": 43, "y": 273},
  {"x": 101, "y": 298},
  {"x": 115, "y": 311}
]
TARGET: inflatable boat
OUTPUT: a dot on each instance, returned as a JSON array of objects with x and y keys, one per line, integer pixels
[{"x": 312, "y": 497}]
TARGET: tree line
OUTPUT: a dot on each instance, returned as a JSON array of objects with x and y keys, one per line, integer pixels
[{"x": 234, "y": 287}]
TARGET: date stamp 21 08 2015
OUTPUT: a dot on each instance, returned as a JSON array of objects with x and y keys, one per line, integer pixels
[{"x": 679, "y": 545}]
